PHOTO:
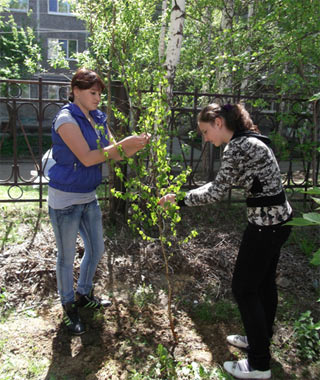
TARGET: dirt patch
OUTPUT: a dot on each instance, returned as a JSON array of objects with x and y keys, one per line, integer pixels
[{"x": 124, "y": 338}]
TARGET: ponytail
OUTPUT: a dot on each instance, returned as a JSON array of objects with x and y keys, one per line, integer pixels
[{"x": 237, "y": 118}]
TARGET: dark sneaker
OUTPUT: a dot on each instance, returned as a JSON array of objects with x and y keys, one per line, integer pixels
[
  {"x": 90, "y": 301},
  {"x": 72, "y": 319},
  {"x": 242, "y": 370}
]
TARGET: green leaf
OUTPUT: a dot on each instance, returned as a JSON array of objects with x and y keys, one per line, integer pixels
[
  {"x": 317, "y": 200},
  {"x": 315, "y": 97},
  {"x": 312, "y": 217},
  {"x": 299, "y": 222},
  {"x": 316, "y": 258},
  {"x": 313, "y": 191}
]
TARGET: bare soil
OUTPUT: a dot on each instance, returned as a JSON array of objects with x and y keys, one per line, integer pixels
[{"x": 121, "y": 339}]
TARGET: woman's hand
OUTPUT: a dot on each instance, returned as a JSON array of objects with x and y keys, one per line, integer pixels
[
  {"x": 138, "y": 142},
  {"x": 130, "y": 145},
  {"x": 134, "y": 143},
  {"x": 167, "y": 198},
  {"x": 73, "y": 137}
]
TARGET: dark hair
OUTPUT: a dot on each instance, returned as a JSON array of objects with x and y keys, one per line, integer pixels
[
  {"x": 84, "y": 79},
  {"x": 237, "y": 118}
]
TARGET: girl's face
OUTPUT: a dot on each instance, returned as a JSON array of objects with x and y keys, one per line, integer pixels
[
  {"x": 212, "y": 132},
  {"x": 89, "y": 99}
]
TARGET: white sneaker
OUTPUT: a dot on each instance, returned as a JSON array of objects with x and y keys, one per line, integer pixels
[
  {"x": 238, "y": 341},
  {"x": 242, "y": 370}
]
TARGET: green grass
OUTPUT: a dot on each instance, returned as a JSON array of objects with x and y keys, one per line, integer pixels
[
  {"x": 288, "y": 307},
  {"x": 18, "y": 219},
  {"x": 22, "y": 147},
  {"x": 161, "y": 365},
  {"x": 23, "y": 366},
  {"x": 144, "y": 295},
  {"x": 5, "y": 311},
  {"x": 26, "y": 192},
  {"x": 29, "y": 364},
  {"x": 32, "y": 192},
  {"x": 18, "y": 216},
  {"x": 220, "y": 311}
]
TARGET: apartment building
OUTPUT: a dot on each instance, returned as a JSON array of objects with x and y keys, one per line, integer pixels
[{"x": 54, "y": 24}]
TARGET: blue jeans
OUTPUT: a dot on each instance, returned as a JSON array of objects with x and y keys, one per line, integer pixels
[{"x": 87, "y": 220}]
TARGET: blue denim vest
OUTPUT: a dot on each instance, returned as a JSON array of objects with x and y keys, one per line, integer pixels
[{"x": 68, "y": 173}]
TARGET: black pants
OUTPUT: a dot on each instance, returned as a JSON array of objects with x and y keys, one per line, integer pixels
[{"x": 254, "y": 288}]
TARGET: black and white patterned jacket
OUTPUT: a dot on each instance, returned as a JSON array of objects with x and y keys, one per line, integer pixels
[{"x": 249, "y": 163}]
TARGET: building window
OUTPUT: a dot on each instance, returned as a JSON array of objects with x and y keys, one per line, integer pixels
[
  {"x": 59, "y": 6},
  {"x": 19, "y": 90},
  {"x": 56, "y": 92},
  {"x": 53, "y": 92},
  {"x": 19, "y": 5},
  {"x": 67, "y": 47}
]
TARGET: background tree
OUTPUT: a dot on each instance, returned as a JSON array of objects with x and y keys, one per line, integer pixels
[
  {"x": 125, "y": 46},
  {"x": 19, "y": 49},
  {"x": 233, "y": 46},
  {"x": 256, "y": 46},
  {"x": 175, "y": 37}
]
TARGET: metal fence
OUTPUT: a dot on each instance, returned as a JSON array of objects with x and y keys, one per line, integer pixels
[
  {"x": 292, "y": 124},
  {"x": 28, "y": 107},
  {"x": 26, "y": 112}
]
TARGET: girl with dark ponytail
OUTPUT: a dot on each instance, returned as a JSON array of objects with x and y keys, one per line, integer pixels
[{"x": 248, "y": 162}]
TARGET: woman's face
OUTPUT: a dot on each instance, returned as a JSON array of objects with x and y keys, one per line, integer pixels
[
  {"x": 88, "y": 99},
  {"x": 212, "y": 132}
]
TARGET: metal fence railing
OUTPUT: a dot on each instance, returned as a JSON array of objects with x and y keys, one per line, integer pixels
[
  {"x": 28, "y": 107},
  {"x": 293, "y": 125}
]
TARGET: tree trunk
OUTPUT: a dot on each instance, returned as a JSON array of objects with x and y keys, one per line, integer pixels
[
  {"x": 245, "y": 82},
  {"x": 315, "y": 141},
  {"x": 224, "y": 80},
  {"x": 162, "y": 43},
  {"x": 208, "y": 153},
  {"x": 174, "y": 42},
  {"x": 115, "y": 205}
]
